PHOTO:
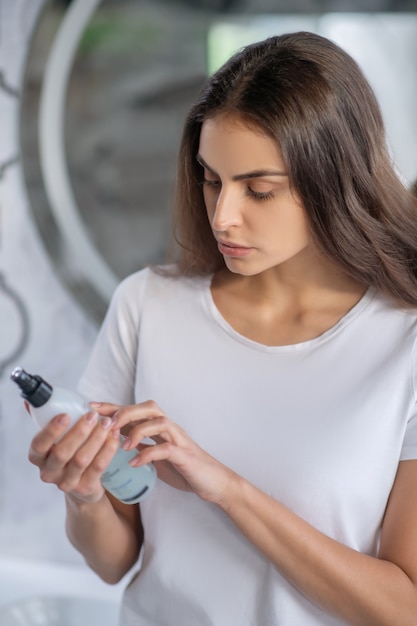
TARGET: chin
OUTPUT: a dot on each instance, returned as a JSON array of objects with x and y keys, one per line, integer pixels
[{"x": 243, "y": 269}]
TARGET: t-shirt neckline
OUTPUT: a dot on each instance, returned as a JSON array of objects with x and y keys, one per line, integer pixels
[{"x": 356, "y": 310}]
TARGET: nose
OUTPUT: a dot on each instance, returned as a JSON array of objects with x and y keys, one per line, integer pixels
[{"x": 227, "y": 210}]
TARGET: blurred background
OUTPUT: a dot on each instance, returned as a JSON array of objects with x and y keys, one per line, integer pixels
[{"x": 92, "y": 100}]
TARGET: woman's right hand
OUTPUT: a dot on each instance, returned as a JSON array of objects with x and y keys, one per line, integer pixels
[{"x": 75, "y": 462}]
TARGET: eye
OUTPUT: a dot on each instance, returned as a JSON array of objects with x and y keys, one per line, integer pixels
[
  {"x": 212, "y": 183},
  {"x": 259, "y": 195}
]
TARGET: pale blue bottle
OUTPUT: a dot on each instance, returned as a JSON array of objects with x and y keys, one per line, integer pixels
[{"x": 128, "y": 484}]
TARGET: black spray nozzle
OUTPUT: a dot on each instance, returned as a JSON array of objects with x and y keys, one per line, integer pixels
[
  {"x": 26, "y": 382},
  {"x": 33, "y": 388}
]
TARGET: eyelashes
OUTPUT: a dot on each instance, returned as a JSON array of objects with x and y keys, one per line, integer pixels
[
  {"x": 259, "y": 195},
  {"x": 214, "y": 184},
  {"x": 256, "y": 195}
]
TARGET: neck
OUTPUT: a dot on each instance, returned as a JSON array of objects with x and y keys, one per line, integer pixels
[
  {"x": 276, "y": 308},
  {"x": 296, "y": 283}
]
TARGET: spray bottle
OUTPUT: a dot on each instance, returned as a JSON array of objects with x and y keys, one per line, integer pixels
[{"x": 128, "y": 484}]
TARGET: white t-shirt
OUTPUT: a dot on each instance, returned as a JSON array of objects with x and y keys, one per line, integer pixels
[{"x": 321, "y": 426}]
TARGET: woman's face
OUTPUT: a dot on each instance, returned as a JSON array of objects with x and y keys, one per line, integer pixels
[{"x": 258, "y": 222}]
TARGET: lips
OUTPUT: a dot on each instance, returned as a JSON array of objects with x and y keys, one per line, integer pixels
[{"x": 232, "y": 249}]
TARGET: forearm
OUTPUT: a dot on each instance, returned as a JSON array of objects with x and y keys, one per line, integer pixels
[
  {"x": 109, "y": 542},
  {"x": 362, "y": 590}
]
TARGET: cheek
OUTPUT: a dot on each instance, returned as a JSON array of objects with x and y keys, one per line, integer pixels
[
  {"x": 300, "y": 234},
  {"x": 288, "y": 225},
  {"x": 210, "y": 201}
]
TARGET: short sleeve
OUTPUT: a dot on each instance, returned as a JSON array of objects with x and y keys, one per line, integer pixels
[
  {"x": 111, "y": 369},
  {"x": 409, "y": 448}
]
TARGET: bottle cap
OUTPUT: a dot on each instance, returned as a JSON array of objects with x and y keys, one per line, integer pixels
[{"x": 34, "y": 389}]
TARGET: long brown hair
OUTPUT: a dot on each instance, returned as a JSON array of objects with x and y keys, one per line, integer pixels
[{"x": 311, "y": 97}]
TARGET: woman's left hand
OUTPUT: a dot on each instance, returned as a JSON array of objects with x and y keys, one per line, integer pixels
[{"x": 179, "y": 461}]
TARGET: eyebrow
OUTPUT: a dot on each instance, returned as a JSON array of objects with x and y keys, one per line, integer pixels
[{"x": 246, "y": 175}]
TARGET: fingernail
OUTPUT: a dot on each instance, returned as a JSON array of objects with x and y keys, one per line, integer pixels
[
  {"x": 64, "y": 420},
  {"x": 92, "y": 417},
  {"x": 126, "y": 444},
  {"x": 135, "y": 461},
  {"x": 106, "y": 423},
  {"x": 95, "y": 403}
]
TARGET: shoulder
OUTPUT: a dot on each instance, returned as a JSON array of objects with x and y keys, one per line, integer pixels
[
  {"x": 384, "y": 330},
  {"x": 132, "y": 284},
  {"x": 394, "y": 328},
  {"x": 388, "y": 310},
  {"x": 158, "y": 283}
]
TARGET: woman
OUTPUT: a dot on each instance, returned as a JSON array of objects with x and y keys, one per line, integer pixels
[{"x": 273, "y": 366}]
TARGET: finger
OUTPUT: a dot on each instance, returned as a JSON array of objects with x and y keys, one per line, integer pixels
[
  {"x": 160, "y": 429},
  {"x": 87, "y": 452},
  {"x": 125, "y": 415},
  {"x": 84, "y": 470},
  {"x": 45, "y": 439},
  {"x": 107, "y": 409},
  {"x": 112, "y": 410},
  {"x": 88, "y": 433},
  {"x": 162, "y": 452}
]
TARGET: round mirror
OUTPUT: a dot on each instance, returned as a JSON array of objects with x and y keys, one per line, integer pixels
[{"x": 107, "y": 87}]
